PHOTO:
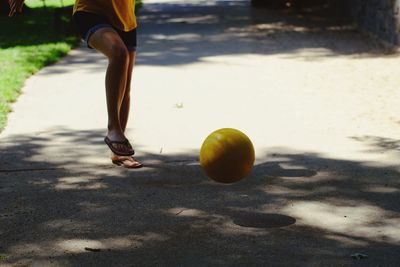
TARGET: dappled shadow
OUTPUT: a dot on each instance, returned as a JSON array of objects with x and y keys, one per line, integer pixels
[
  {"x": 316, "y": 209},
  {"x": 63, "y": 203},
  {"x": 379, "y": 144},
  {"x": 182, "y": 33},
  {"x": 177, "y": 33}
]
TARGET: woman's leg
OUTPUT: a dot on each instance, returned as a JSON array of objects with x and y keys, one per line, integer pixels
[
  {"x": 108, "y": 42},
  {"x": 126, "y": 101},
  {"x": 128, "y": 162}
]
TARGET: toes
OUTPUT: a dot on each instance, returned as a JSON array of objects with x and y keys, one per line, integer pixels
[{"x": 127, "y": 162}]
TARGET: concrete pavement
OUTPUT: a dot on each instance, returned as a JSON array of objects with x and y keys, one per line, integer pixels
[{"x": 318, "y": 99}]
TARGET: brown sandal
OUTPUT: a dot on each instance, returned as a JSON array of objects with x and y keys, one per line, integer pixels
[{"x": 124, "y": 143}]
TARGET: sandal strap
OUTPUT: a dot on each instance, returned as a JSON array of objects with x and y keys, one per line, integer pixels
[{"x": 124, "y": 142}]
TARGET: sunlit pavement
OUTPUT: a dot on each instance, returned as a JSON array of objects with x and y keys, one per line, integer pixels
[{"x": 318, "y": 99}]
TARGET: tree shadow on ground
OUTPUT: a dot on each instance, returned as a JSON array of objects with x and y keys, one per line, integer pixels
[
  {"x": 173, "y": 34},
  {"x": 183, "y": 33},
  {"x": 300, "y": 209}
]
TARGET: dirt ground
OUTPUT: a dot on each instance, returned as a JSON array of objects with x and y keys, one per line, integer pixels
[{"x": 319, "y": 100}]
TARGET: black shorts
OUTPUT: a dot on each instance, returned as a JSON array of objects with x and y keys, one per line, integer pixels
[{"x": 87, "y": 23}]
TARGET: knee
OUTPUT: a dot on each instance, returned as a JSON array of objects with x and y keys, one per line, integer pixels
[{"x": 120, "y": 54}]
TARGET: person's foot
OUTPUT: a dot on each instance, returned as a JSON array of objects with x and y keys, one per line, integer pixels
[
  {"x": 118, "y": 144},
  {"x": 126, "y": 161}
]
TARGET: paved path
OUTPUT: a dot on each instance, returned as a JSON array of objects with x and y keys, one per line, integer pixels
[{"x": 319, "y": 100}]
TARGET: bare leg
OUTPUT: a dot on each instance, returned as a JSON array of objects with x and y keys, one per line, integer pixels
[
  {"x": 108, "y": 42},
  {"x": 126, "y": 101},
  {"x": 128, "y": 162}
]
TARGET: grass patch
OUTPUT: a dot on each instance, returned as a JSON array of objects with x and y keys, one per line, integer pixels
[
  {"x": 27, "y": 43},
  {"x": 48, "y": 3}
]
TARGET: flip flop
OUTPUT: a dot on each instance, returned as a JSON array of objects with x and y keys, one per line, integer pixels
[
  {"x": 117, "y": 152},
  {"x": 119, "y": 162}
]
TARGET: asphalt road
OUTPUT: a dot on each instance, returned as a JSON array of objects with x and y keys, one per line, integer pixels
[{"x": 318, "y": 99}]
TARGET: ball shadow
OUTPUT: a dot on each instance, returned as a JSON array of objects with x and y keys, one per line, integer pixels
[{"x": 275, "y": 170}]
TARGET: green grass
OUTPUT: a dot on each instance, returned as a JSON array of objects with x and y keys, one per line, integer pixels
[
  {"x": 27, "y": 43},
  {"x": 48, "y": 3},
  {"x": 58, "y": 3}
]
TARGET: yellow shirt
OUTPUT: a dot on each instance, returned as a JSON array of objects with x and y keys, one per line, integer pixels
[{"x": 120, "y": 13}]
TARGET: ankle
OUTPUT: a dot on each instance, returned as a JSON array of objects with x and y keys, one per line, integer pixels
[{"x": 116, "y": 133}]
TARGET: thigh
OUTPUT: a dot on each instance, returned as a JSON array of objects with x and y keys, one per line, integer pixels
[
  {"x": 98, "y": 33},
  {"x": 107, "y": 41}
]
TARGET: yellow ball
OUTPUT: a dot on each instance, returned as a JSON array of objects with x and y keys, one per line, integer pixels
[{"x": 227, "y": 155}]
